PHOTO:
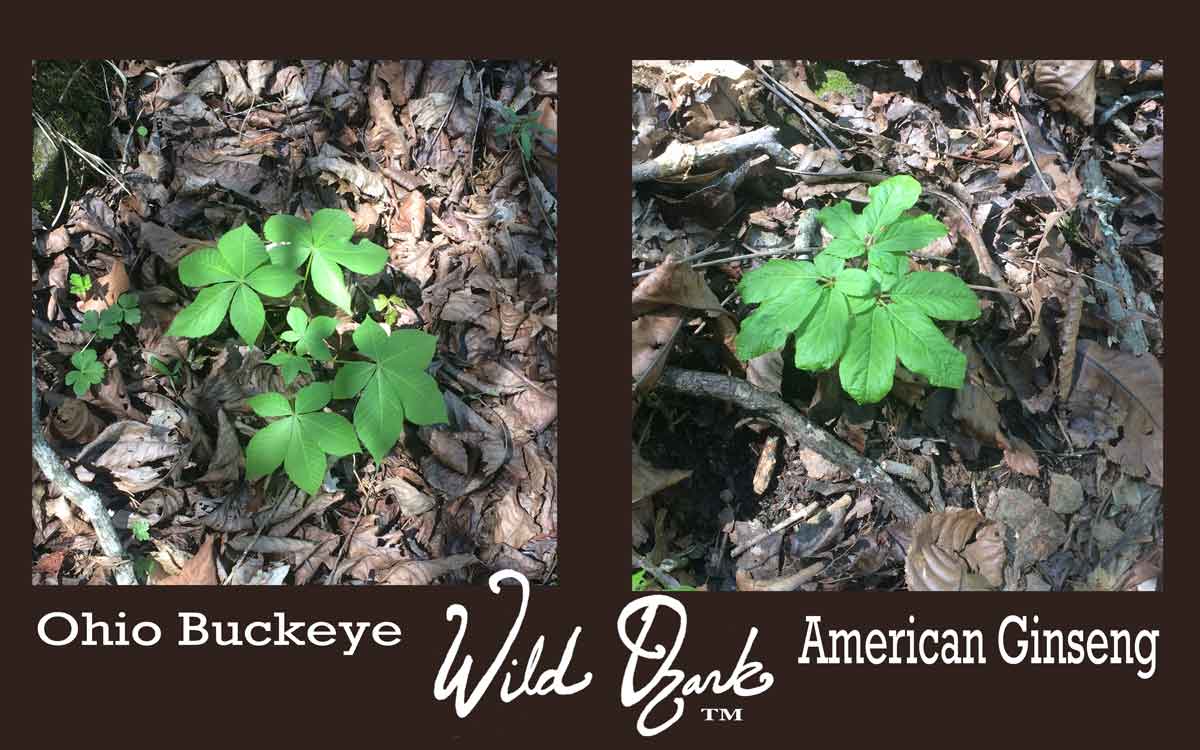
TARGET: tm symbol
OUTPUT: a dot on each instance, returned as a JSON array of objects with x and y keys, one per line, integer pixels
[{"x": 722, "y": 714}]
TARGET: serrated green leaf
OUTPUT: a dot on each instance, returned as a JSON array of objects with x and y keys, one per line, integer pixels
[
  {"x": 923, "y": 349},
  {"x": 824, "y": 336},
  {"x": 842, "y": 222},
  {"x": 206, "y": 312},
  {"x": 80, "y": 285},
  {"x": 247, "y": 315},
  {"x": 290, "y": 365},
  {"x": 828, "y": 265},
  {"x": 889, "y": 199},
  {"x": 909, "y": 233},
  {"x": 867, "y": 367},
  {"x": 886, "y": 268},
  {"x": 855, "y": 282},
  {"x": 270, "y": 405},
  {"x": 938, "y": 294},
  {"x": 393, "y": 388},
  {"x": 104, "y": 325},
  {"x": 140, "y": 528},
  {"x": 777, "y": 277},
  {"x": 767, "y": 328},
  {"x": 844, "y": 247},
  {"x": 365, "y": 257},
  {"x": 127, "y": 307}
]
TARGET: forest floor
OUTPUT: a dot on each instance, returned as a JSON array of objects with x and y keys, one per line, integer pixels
[
  {"x": 452, "y": 167},
  {"x": 1044, "y": 471}
]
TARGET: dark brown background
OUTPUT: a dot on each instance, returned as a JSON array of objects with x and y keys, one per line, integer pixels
[{"x": 243, "y": 696}]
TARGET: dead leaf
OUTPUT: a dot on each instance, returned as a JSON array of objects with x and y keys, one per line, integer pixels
[
  {"x": 955, "y": 550},
  {"x": 1068, "y": 85},
  {"x": 648, "y": 480},
  {"x": 201, "y": 570},
  {"x": 423, "y": 572},
  {"x": 1119, "y": 397}
]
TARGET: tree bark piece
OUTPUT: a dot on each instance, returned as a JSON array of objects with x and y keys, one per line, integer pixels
[
  {"x": 680, "y": 158},
  {"x": 743, "y": 395},
  {"x": 80, "y": 495}
]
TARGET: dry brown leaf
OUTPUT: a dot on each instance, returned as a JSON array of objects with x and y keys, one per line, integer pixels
[
  {"x": 72, "y": 420},
  {"x": 115, "y": 282},
  {"x": 423, "y": 572},
  {"x": 648, "y": 480},
  {"x": 955, "y": 550},
  {"x": 514, "y": 526},
  {"x": 1068, "y": 85},
  {"x": 201, "y": 570},
  {"x": 675, "y": 283},
  {"x": 226, "y": 462},
  {"x": 1038, "y": 531},
  {"x": 1119, "y": 395}
]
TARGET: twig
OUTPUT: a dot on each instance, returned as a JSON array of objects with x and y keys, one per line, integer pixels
[
  {"x": 336, "y": 574},
  {"x": 792, "y": 101},
  {"x": 796, "y": 517},
  {"x": 81, "y": 496},
  {"x": 1029, "y": 151},
  {"x": 744, "y": 395},
  {"x": 680, "y": 158},
  {"x": 667, "y": 580}
]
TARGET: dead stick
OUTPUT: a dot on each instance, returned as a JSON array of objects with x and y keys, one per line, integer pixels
[
  {"x": 744, "y": 395},
  {"x": 680, "y": 158},
  {"x": 796, "y": 517},
  {"x": 81, "y": 496}
]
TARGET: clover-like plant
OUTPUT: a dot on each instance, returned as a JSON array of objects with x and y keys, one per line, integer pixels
[
  {"x": 324, "y": 245},
  {"x": 88, "y": 371},
  {"x": 300, "y": 439},
  {"x": 862, "y": 318},
  {"x": 309, "y": 335},
  {"x": 392, "y": 387},
  {"x": 232, "y": 275},
  {"x": 104, "y": 324}
]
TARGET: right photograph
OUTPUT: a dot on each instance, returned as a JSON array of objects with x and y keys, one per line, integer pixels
[{"x": 897, "y": 325}]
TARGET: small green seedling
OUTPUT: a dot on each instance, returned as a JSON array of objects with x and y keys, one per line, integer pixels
[
  {"x": 232, "y": 275},
  {"x": 142, "y": 131},
  {"x": 390, "y": 306},
  {"x": 88, "y": 371},
  {"x": 324, "y": 244},
  {"x": 290, "y": 365},
  {"x": 526, "y": 128},
  {"x": 104, "y": 324},
  {"x": 309, "y": 335},
  {"x": 127, "y": 310},
  {"x": 171, "y": 371},
  {"x": 639, "y": 580},
  {"x": 300, "y": 439},
  {"x": 81, "y": 284},
  {"x": 140, "y": 528},
  {"x": 862, "y": 318},
  {"x": 392, "y": 387}
]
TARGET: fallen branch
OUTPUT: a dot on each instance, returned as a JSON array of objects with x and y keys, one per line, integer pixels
[
  {"x": 680, "y": 158},
  {"x": 745, "y": 396},
  {"x": 81, "y": 496}
]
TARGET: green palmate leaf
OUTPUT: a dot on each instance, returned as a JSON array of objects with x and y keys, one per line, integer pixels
[
  {"x": 301, "y": 439},
  {"x": 923, "y": 349},
  {"x": 104, "y": 324},
  {"x": 889, "y": 199},
  {"x": 939, "y": 295},
  {"x": 844, "y": 247},
  {"x": 127, "y": 309},
  {"x": 290, "y": 366},
  {"x": 325, "y": 245},
  {"x": 869, "y": 363},
  {"x": 909, "y": 233},
  {"x": 776, "y": 277},
  {"x": 767, "y": 328},
  {"x": 841, "y": 221},
  {"x": 233, "y": 275},
  {"x": 886, "y": 268},
  {"x": 309, "y": 335},
  {"x": 87, "y": 372},
  {"x": 391, "y": 388},
  {"x": 855, "y": 282},
  {"x": 828, "y": 265},
  {"x": 824, "y": 336}
]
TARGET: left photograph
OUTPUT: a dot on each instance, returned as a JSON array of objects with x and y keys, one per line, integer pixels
[{"x": 294, "y": 322}]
